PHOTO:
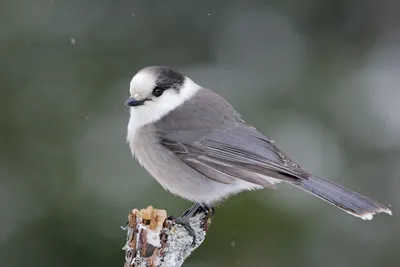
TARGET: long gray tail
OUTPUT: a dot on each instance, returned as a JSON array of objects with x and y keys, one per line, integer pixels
[{"x": 349, "y": 201}]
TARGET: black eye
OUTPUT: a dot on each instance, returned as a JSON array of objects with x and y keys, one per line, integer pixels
[{"x": 158, "y": 91}]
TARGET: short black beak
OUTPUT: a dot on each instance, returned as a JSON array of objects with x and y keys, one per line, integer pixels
[{"x": 131, "y": 102}]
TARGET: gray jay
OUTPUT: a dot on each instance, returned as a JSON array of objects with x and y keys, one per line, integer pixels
[{"x": 196, "y": 145}]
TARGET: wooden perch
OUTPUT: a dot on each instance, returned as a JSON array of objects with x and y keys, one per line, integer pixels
[{"x": 155, "y": 241}]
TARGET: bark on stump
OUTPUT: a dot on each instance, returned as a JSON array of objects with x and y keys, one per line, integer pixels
[{"x": 155, "y": 241}]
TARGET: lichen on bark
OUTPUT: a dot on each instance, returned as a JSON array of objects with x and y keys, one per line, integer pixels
[{"x": 153, "y": 240}]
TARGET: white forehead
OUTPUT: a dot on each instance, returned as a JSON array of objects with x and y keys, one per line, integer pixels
[{"x": 143, "y": 82}]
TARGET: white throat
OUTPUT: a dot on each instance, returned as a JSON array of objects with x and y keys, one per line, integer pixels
[{"x": 153, "y": 112}]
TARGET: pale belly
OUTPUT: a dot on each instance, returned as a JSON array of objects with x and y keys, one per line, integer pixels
[{"x": 177, "y": 177}]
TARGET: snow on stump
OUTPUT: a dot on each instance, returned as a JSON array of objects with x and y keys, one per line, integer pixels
[{"x": 153, "y": 240}]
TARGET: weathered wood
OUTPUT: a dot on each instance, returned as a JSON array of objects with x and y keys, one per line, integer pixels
[{"x": 155, "y": 241}]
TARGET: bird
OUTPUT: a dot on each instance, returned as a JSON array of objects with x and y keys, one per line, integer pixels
[{"x": 198, "y": 147}]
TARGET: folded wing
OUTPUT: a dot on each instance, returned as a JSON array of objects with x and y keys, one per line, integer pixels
[{"x": 239, "y": 152}]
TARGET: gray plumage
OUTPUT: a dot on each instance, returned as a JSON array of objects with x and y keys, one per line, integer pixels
[{"x": 203, "y": 151}]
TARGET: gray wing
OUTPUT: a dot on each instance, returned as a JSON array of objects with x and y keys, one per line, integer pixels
[{"x": 239, "y": 152}]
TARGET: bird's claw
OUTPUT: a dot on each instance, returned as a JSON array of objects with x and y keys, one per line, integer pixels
[
  {"x": 185, "y": 223},
  {"x": 185, "y": 217}
]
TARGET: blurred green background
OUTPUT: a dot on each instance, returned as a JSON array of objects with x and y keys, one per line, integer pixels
[{"x": 320, "y": 77}]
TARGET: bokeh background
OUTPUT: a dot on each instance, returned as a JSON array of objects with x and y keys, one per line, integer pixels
[{"x": 320, "y": 77}]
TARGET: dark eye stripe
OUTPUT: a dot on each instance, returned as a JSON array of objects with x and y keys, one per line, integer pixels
[{"x": 169, "y": 78}]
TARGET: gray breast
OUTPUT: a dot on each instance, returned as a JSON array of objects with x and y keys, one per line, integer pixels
[{"x": 172, "y": 173}]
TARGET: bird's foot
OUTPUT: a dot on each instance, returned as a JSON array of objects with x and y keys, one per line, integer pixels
[
  {"x": 198, "y": 208},
  {"x": 186, "y": 224},
  {"x": 190, "y": 213},
  {"x": 184, "y": 221}
]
